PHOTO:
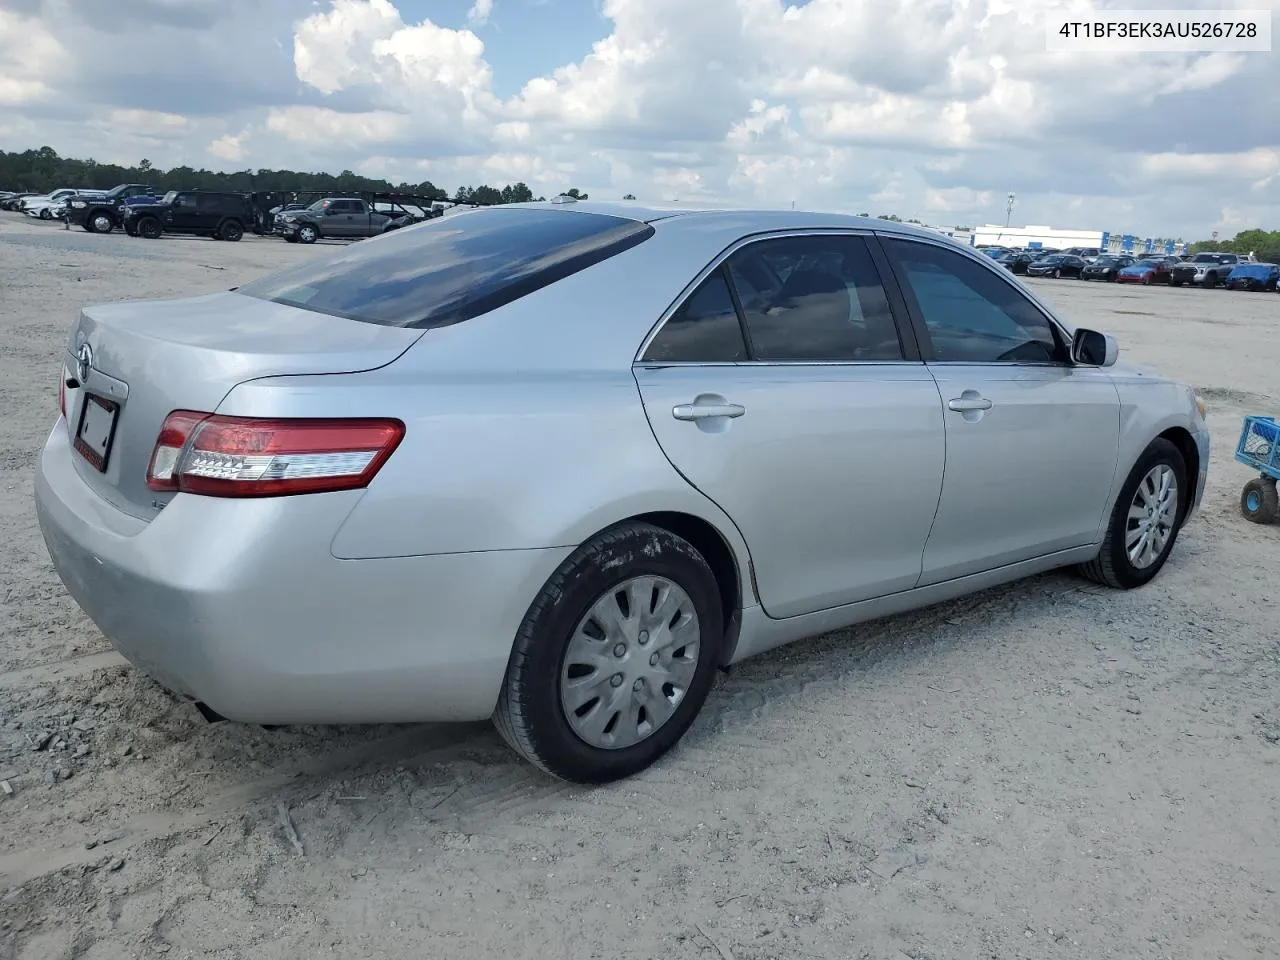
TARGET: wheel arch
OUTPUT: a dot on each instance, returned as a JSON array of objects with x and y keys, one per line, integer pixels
[
  {"x": 1181, "y": 438},
  {"x": 715, "y": 548}
]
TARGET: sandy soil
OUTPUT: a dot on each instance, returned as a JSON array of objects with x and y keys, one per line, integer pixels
[{"x": 1049, "y": 769}]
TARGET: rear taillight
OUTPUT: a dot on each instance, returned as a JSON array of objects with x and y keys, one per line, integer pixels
[
  {"x": 245, "y": 457},
  {"x": 62, "y": 394}
]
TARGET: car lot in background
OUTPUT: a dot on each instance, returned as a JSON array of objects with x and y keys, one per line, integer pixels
[{"x": 1161, "y": 708}]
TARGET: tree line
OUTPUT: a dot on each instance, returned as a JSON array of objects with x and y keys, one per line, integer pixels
[
  {"x": 1263, "y": 244},
  {"x": 43, "y": 170}
]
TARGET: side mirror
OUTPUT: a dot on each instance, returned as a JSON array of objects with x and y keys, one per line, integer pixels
[{"x": 1090, "y": 348}]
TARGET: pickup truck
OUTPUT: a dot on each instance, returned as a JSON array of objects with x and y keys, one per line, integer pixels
[
  {"x": 345, "y": 218},
  {"x": 1206, "y": 269},
  {"x": 103, "y": 214}
]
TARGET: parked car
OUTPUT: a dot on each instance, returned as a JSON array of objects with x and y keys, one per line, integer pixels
[
  {"x": 103, "y": 214},
  {"x": 1253, "y": 276},
  {"x": 1106, "y": 267},
  {"x": 1057, "y": 265},
  {"x": 14, "y": 201},
  {"x": 456, "y": 493},
  {"x": 1205, "y": 269},
  {"x": 1147, "y": 271},
  {"x": 336, "y": 218},
  {"x": 42, "y": 206},
  {"x": 1087, "y": 253},
  {"x": 1019, "y": 262},
  {"x": 207, "y": 213}
]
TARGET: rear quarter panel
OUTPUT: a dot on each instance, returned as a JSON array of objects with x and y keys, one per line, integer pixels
[{"x": 524, "y": 427}]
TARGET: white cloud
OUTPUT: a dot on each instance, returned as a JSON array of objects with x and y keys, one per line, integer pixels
[
  {"x": 480, "y": 13},
  {"x": 925, "y": 108}
]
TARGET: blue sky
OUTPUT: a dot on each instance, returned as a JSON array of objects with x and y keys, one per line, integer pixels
[
  {"x": 932, "y": 109},
  {"x": 523, "y": 38}
]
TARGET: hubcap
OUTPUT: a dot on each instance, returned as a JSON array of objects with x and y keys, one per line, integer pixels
[
  {"x": 630, "y": 662},
  {"x": 101, "y": 223},
  {"x": 1152, "y": 515}
]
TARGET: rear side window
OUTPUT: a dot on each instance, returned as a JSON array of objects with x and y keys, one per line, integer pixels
[
  {"x": 704, "y": 330},
  {"x": 452, "y": 268}
]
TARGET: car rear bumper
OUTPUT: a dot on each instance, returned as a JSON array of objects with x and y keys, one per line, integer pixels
[{"x": 241, "y": 604}]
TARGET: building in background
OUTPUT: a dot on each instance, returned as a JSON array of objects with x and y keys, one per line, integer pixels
[{"x": 1036, "y": 237}]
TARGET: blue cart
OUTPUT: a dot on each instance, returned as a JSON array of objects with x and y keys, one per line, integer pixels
[{"x": 1259, "y": 448}]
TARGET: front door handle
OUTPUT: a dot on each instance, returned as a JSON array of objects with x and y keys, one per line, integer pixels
[
  {"x": 702, "y": 410},
  {"x": 965, "y": 404}
]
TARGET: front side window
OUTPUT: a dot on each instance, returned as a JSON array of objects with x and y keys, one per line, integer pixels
[
  {"x": 451, "y": 269},
  {"x": 972, "y": 315}
]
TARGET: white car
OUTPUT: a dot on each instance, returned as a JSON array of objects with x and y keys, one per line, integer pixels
[{"x": 50, "y": 205}]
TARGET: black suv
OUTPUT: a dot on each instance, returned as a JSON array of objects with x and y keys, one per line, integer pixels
[{"x": 205, "y": 213}]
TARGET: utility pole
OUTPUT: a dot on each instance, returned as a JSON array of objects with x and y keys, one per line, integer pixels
[{"x": 1008, "y": 210}]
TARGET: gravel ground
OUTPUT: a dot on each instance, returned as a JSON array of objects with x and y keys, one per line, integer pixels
[{"x": 1049, "y": 769}]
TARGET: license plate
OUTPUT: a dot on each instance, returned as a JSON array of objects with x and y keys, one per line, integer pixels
[{"x": 96, "y": 431}]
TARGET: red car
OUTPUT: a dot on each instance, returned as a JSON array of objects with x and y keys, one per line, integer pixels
[{"x": 1148, "y": 270}]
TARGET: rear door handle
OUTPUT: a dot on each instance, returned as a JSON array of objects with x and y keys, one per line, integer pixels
[
  {"x": 706, "y": 411},
  {"x": 965, "y": 404}
]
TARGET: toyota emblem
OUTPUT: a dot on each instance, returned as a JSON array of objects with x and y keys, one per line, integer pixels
[{"x": 84, "y": 362}]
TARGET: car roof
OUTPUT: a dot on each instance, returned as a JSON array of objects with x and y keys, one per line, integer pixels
[{"x": 735, "y": 220}]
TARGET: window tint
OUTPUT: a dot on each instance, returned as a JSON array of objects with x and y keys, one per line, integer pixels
[
  {"x": 704, "y": 330},
  {"x": 972, "y": 314},
  {"x": 453, "y": 268},
  {"x": 214, "y": 201},
  {"x": 814, "y": 298}
]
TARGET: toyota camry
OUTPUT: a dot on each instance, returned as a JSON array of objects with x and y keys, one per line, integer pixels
[{"x": 557, "y": 463}]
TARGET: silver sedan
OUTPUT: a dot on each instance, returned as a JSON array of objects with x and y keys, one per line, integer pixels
[{"x": 557, "y": 463}]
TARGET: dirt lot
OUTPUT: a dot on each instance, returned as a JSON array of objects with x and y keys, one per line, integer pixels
[{"x": 1050, "y": 769}]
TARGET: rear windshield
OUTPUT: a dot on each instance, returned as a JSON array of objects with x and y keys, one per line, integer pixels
[{"x": 453, "y": 268}]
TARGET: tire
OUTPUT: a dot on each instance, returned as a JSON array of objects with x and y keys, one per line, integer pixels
[
  {"x": 531, "y": 715},
  {"x": 1112, "y": 567},
  {"x": 149, "y": 228},
  {"x": 229, "y": 230},
  {"x": 100, "y": 222},
  {"x": 307, "y": 233},
  {"x": 1057, "y": 274},
  {"x": 131, "y": 229},
  {"x": 1259, "y": 500},
  {"x": 1175, "y": 283},
  {"x": 46, "y": 214},
  {"x": 1210, "y": 281}
]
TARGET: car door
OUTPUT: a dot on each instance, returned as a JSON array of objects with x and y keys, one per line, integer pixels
[
  {"x": 784, "y": 390},
  {"x": 182, "y": 213},
  {"x": 1032, "y": 440}
]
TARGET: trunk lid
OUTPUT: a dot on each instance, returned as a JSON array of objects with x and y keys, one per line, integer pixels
[{"x": 149, "y": 358}]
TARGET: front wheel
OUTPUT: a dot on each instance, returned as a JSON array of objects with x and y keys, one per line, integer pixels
[
  {"x": 1145, "y": 520},
  {"x": 101, "y": 223},
  {"x": 307, "y": 234},
  {"x": 1210, "y": 281},
  {"x": 150, "y": 228},
  {"x": 46, "y": 214},
  {"x": 614, "y": 658},
  {"x": 231, "y": 231},
  {"x": 1259, "y": 500}
]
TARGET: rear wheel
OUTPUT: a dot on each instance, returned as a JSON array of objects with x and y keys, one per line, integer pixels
[
  {"x": 1259, "y": 500},
  {"x": 615, "y": 656},
  {"x": 1145, "y": 520},
  {"x": 149, "y": 228},
  {"x": 231, "y": 231}
]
